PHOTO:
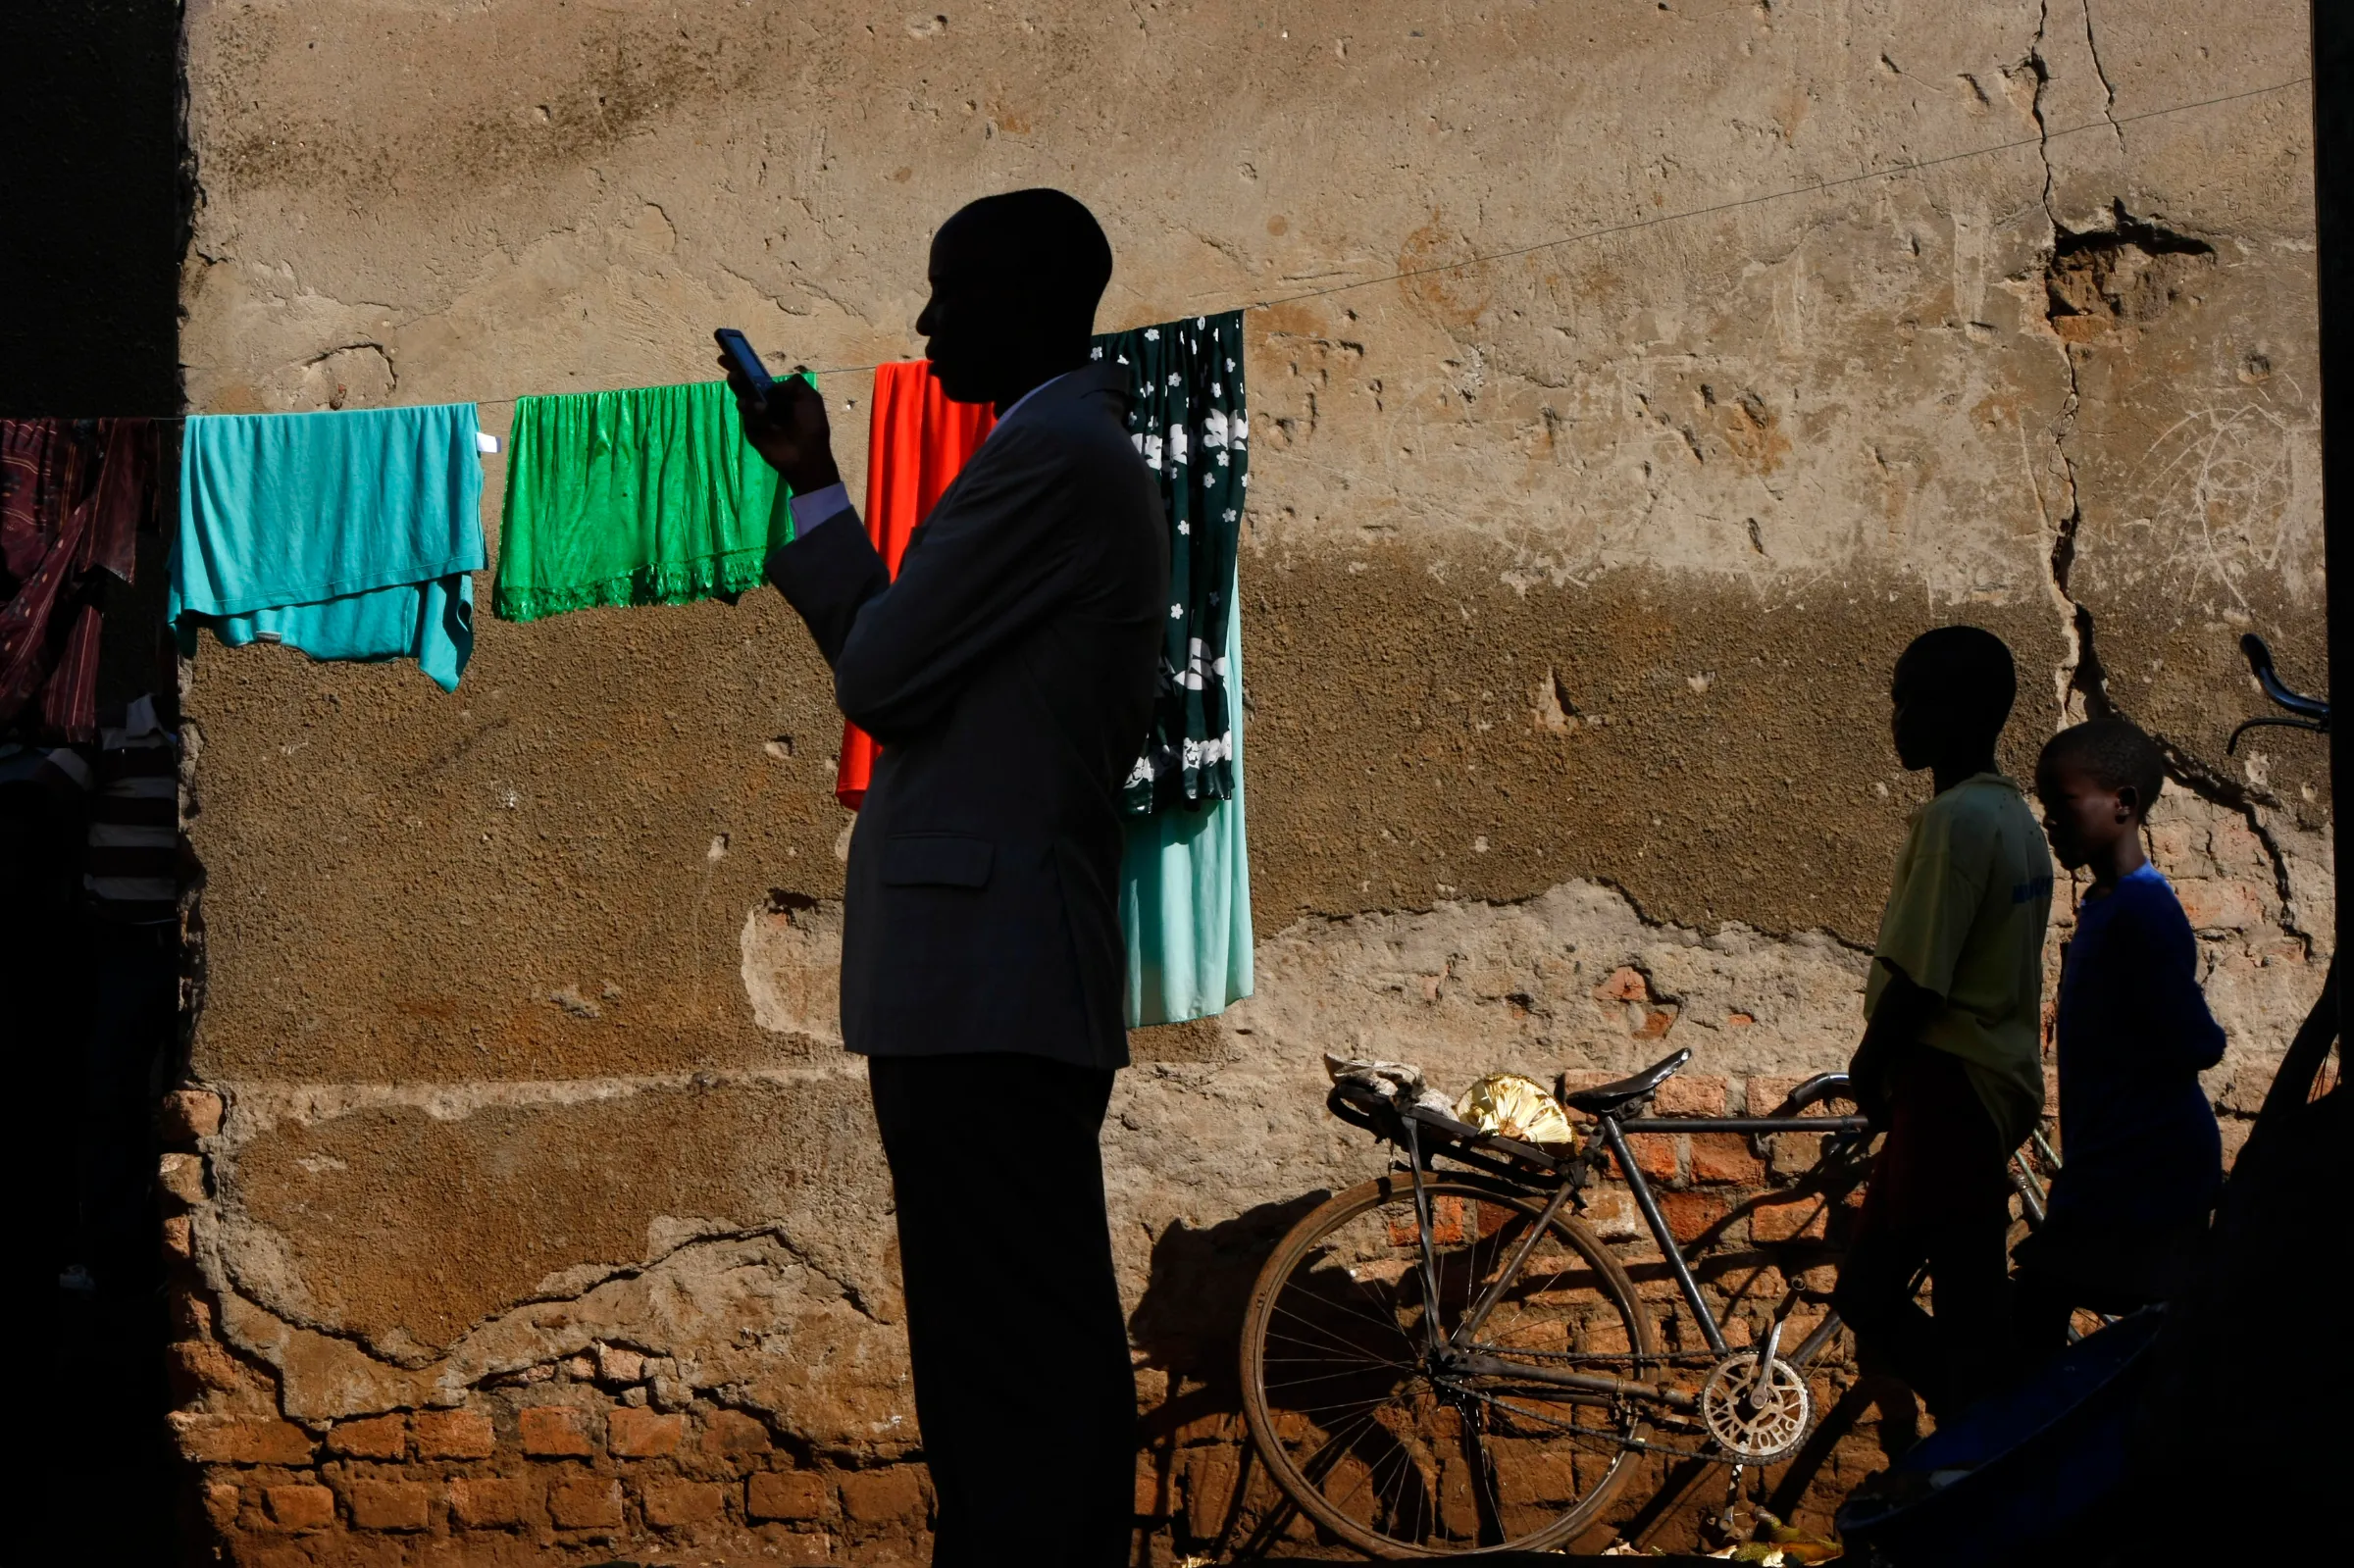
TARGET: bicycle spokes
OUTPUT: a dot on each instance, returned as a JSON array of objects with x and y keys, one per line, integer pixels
[{"x": 1376, "y": 1403}]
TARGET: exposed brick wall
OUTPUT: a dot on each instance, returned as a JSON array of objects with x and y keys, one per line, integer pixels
[
  {"x": 1572, "y": 583},
  {"x": 619, "y": 1448},
  {"x": 564, "y": 1461},
  {"x": 550, "y": 1467},
  {"x": 579, "y": 1458}
]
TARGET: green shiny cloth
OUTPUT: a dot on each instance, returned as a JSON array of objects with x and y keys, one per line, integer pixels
[{"x": 647, "y": 496}]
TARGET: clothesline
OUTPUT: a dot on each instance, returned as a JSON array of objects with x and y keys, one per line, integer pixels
[
  {"x": 1633, "y": 226},
  {"x": 360, "y": 537},
  {"x": 357, "y": 536}
]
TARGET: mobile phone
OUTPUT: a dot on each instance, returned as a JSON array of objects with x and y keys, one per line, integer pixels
[{"x": 739, "y": 349}]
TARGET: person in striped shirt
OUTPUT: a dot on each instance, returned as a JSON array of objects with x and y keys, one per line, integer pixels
[
  {"x": 135, "y": 863},
  {"x": 130, "y": 874}
]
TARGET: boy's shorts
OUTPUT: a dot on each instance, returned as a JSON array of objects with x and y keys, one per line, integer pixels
[{"x": 1943, "y": 1161}]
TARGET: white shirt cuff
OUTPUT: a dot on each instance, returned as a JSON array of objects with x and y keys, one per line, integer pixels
[
  {"x": 72, "y": 766},
  {"x": 819, "y": 506}
]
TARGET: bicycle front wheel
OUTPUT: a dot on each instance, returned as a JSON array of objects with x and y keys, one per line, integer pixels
[{"x": 1377, "y": 1443}]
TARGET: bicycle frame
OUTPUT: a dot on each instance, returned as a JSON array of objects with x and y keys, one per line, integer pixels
[{"x": 1461, "y": 1349}]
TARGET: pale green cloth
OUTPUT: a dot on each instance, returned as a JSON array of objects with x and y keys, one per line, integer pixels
[
  {"x": 1185, "y": 896},
  {"x": 1965, "y": 919}
]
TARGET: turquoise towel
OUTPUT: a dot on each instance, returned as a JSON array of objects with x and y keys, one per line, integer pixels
[
  {"x": 348, "y": 535},
  {"x": 1185, "y": 895}
]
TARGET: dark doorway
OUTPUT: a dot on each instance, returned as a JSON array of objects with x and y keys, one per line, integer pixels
[{"x": 94, "y": 197}]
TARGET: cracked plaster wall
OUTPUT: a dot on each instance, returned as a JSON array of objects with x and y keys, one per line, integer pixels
[{"x": 1571, "y": 586}]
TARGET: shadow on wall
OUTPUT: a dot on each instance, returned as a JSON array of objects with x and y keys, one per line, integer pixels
[
  {"x": 1188, "y": 1329},
  {"x": 96, "y": 193},
  {"x": 98, "y": 196},
  {"x": 1189, "y": 1323},
  {"x": 99, "y": 186}
]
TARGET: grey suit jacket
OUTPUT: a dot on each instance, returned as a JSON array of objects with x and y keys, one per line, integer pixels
[{"x": 1008, "y": 674}]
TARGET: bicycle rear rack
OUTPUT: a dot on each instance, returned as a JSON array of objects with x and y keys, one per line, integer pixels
[{"x": 1457, "y": 1140}]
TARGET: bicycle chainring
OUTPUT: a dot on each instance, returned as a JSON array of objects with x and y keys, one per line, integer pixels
[{"x": 1756, "y": 1419}]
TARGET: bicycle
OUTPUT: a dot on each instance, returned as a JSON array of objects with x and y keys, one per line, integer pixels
[{"x": 1449, "y": 1361}]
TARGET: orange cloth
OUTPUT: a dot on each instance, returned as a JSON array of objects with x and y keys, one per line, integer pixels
[{"x": 916, "y": 443}]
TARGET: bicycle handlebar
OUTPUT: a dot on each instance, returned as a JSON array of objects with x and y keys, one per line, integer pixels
[
  {"x": 2313, "y": 713},
  {"x": 2260, "y": 663}
]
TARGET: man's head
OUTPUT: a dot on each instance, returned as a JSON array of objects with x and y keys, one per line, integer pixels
[
  {"x": 1951, "y": 693},
  {"x": 1015, "y": 280},
  {"x": 2097, "y": 781}
]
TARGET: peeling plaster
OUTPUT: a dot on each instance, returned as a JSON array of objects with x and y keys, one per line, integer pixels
[{"x": 1571, "y": 588}]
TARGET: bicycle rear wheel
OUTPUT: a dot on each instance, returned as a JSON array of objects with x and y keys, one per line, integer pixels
[{"x": 1341, "y": 1398}]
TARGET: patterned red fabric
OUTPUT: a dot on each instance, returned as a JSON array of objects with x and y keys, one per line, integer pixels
[
  {"x": 917, "y": 443},
  {"x": 72, "y": 497}
]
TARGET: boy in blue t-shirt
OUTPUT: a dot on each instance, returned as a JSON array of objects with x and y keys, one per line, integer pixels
[{"x": 2141, "y": 1161}]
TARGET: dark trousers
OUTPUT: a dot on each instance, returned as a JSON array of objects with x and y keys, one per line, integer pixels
[
  {"x": 1023, "y": 1384},
  {"x": 1940, "y": 1199},
  {"x": 2042, "y": 1306},
  {"x": 133, "y": 1012},
  {"x": 2111, "y": 1264}
]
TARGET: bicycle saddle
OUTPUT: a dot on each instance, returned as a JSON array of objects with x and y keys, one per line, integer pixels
[{"x": 1610, "y": 1098}]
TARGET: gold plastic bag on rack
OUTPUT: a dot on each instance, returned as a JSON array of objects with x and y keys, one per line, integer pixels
[{"x": 1513, "y": 1106}]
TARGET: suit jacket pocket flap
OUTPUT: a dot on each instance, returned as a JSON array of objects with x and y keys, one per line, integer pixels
[{"x": 936, "y": 859}]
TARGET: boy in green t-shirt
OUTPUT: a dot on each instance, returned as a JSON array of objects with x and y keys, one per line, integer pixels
[{"x": 1951, "y": 1063}]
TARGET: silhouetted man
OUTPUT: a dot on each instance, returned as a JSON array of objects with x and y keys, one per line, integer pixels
[{"x": 1008, "y": 674}]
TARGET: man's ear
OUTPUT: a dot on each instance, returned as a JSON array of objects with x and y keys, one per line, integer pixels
[{"x": 2129, "y": 803}]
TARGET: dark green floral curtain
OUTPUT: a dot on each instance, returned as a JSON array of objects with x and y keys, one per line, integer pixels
[{"x": 1188, "y": 420}]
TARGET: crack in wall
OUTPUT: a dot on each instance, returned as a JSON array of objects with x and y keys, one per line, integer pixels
[
  {"x": 2083, "y": 689},
  {"x": 2083, "y": 684},
  {"x": 2043, "y": 129},
  {"x": 2078, "y": 673},
  {"x": 2093, "y": 48},
  {"x": 2189, "y": 771}
]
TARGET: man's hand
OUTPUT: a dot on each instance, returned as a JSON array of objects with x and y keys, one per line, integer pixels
[
  {"x": 789, "y": 429},
  {"x": 1896, "y": 1027}
]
